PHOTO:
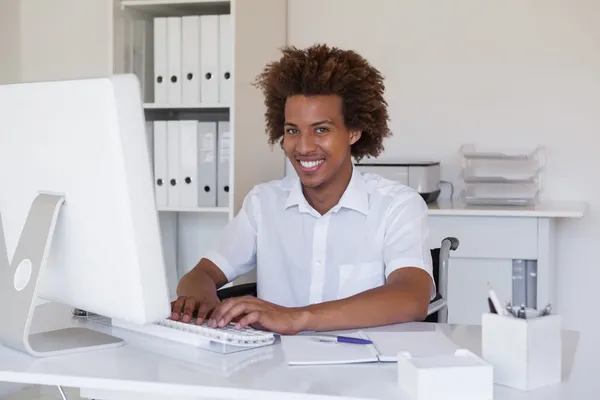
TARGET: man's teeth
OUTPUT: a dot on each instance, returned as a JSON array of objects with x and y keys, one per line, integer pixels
[{"x": 310, "y": 164}]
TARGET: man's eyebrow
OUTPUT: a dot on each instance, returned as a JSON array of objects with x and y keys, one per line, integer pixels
[{"x": 326, "y": 121}]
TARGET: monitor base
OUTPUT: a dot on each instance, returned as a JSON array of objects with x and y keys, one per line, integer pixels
[
  {"x": 70, "y": 340},
  {"x": 18, "y": 289}
]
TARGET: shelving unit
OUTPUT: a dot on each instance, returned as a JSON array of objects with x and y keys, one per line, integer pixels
[
  {"x": 258, "y": 31},
  {"x": 177, "y": 7},
  {"x": 176, "y": 107},
  {"x": 65, "y": 39}
]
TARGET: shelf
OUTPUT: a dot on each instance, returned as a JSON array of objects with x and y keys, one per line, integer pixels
[
  {"x": 195, "y": 209},
  {"x": 154, "y": 106},
  {"x": 165, "y": 8}
]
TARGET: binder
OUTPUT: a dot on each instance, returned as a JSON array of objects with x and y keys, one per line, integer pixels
[
  {"x": 174, "y": 87},
  {"x": 160, "y": 163},
  {"x": 190, "y": 59},
  {"x": 188, "y": 163},
  {"x": 519, "y": 282},
  {"x": 531, "y": 279},
  {"x": 139, "y": 57},
  {"x": 225, "y": 60},
  {"x": 149, "y": 137},
  {"x": 173, "y": 191},
  {"x": 209, "y": 58},
  {"x": 207, "y": 164},
  {"x": 223, "y": 157},
  {"x": 169, "y": 235},
  {"x": 160, "y": 60}
]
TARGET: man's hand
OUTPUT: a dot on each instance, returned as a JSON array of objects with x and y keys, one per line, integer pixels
[
  {"x": 260, "y": 314},
  {"x": 197, "y": 292},
  {"x": 186, "y": 307}
]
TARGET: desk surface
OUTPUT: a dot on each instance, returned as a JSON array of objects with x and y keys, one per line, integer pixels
[
  {"x": 556, "y": 209},
  {"x": 149, "y": 365}
]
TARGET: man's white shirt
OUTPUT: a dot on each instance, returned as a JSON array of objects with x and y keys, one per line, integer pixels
[{"x": 302, "y": 257}]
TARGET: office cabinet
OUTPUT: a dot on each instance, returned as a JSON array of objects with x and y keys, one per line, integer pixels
[{"x": 511, "y": 248}]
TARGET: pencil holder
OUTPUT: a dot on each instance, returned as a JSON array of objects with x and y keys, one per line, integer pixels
[{"x": 525, "y": 353}]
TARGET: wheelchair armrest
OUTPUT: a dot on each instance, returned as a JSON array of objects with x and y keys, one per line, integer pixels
[{"x": 246, "y": 289}]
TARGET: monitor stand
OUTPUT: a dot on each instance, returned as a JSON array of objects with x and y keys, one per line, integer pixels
[{"x": 18, "y": 289}]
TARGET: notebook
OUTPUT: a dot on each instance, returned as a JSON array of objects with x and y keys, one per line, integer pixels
[{"x": 305, "y": 350}]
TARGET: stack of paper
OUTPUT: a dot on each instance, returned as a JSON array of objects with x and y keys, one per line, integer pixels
[{"x": 306, "y": 350}]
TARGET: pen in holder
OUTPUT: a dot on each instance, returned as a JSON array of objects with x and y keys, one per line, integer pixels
[{"x": 524, "y": 347}]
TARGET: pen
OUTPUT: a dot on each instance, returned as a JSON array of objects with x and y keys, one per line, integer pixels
[
  {"x": 546, "y": 311},
  {"x": 493, "y": 299},
  {"x": 341, "y": 339},
  {"x": 510, "y": 310},
  {"x": 491, "y": 306}
]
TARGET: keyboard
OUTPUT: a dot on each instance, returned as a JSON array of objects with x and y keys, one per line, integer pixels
[{"x": 220, "y": 340}]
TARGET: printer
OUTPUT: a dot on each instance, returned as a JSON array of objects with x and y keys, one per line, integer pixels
[{"x": 423, "y": 176}]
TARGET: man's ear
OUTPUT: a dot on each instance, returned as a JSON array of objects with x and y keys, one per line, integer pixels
[{"x": 354, "y": 136}]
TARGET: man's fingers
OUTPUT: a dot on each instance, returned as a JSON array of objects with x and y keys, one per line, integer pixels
[
  {"x": 203, "y": 311},
  {"x": 240, "y": 308},
  {"x": 177, "y": 308},
  {"x": 219, "y": 310},
  {"x": 188, "y": 309},
  {"x": 222, "y": 309},
  {"x": 249, "y": 319}
]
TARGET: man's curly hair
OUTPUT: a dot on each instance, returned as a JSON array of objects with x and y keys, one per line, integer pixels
[{"x": 323, "y": 70}]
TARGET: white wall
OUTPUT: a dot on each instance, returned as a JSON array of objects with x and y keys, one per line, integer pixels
[
  {"x": 9, "y": 41},
  {"x": 510, "y": 72},
  {"x": 9, "y": 73},
  {"x": 46, "y": 23}
]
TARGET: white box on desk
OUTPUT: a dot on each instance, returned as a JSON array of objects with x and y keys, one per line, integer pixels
[
  {"x": 458, "y": 376},
  {"x": 525, "y": 353}
]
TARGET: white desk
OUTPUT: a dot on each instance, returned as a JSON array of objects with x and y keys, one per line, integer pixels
[
  {"x": 495, "y": 244},
  {"x": 149, "y": 368}
]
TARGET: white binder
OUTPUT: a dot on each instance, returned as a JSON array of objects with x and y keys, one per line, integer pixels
[
  {"x": 160, "y": 60},
  {"x": 207, "y": 164},
  {"x": 174, "y": 184},
  {"x": 224, "y": 155},
  {"x": 209, "y": 58},
  {"x": 138, "y": 60},
  {"x": 190, "y": 59},
  {"x": 174, "y": 87},
  {"x": 160, "y": 163},
  {"x": 188, "y": 163},
  {"x": 150, "y": 138},
  {"x": 225, "y": 60}
]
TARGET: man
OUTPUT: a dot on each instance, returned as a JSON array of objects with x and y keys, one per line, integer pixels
[{"x": 333, "y": 248}]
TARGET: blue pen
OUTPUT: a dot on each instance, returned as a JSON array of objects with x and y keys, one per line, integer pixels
[{"x": 342, "y": 339}]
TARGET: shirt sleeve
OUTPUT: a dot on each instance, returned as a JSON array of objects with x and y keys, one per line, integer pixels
[
  {"x": 407, "y": 231},
  {"x": 235, "y": 250}
]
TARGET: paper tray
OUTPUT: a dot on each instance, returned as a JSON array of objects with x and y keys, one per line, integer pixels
[{"x": 461, "y": 375}]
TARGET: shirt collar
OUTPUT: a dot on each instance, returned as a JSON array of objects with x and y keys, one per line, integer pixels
[{"x": 355, "y": 196}]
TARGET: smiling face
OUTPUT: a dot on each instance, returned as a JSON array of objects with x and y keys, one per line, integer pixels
[{"x": 316, "y": 140}]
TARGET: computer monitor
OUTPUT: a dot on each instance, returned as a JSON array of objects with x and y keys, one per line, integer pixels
[{"x": 77, "y": 205}]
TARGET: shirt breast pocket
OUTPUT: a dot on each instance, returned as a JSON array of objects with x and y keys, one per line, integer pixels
[{"x": 356, "y": 278}]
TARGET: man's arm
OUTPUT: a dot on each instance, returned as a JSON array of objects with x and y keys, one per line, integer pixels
[
  {"x": 206, "y": 276},
  {"x": 404, "y": 298}
]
